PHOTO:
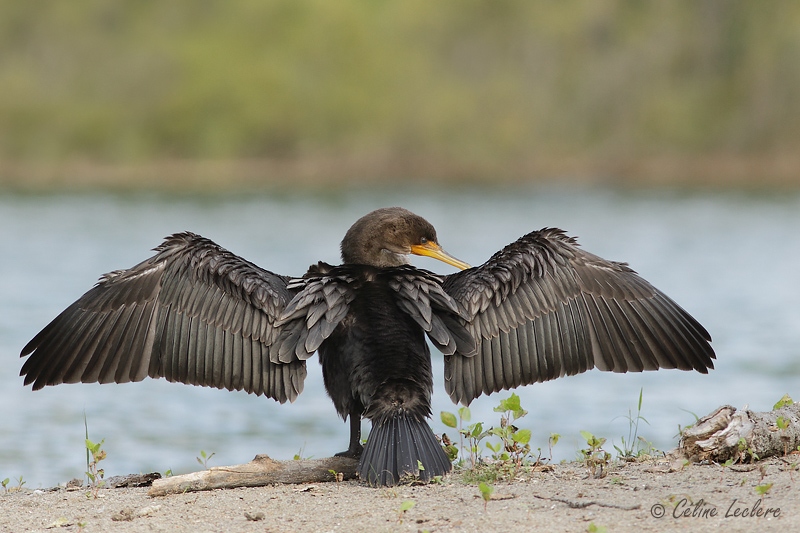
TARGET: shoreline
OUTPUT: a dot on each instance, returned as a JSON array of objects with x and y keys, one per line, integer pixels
[{"x": 780, "y": 170}]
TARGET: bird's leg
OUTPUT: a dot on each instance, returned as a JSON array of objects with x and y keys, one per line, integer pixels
[{"x": 355, "y": 448}]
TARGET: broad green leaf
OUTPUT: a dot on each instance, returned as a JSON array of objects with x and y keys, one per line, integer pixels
[
  {"x": 449, "y": 419},
  {"x": 523, "y": 436},
  {"x": 406, "y": 505}
]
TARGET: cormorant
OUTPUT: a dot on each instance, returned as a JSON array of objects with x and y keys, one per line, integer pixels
[{"x": 539, "y": 309}]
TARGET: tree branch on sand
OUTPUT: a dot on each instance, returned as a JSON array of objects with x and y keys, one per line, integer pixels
[
  {"x": 259, "y": 472},
  {"x": 728, "y": 434}
]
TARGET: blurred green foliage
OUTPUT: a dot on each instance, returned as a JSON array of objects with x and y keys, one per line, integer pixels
[{"x": 463, "y": 80}]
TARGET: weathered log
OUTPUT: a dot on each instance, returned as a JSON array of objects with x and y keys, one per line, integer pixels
[
  {"x": 259, "y": 472},
  {"x": 131, "y": 480},
  {"x": 742, "y": 435}
]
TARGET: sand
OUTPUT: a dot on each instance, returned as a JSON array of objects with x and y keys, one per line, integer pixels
[{"x": 656, "y": 495}]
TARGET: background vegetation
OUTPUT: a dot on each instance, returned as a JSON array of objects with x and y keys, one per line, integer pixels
[{"x": 258, "y": 91}]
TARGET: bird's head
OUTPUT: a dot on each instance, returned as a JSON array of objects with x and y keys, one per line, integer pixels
[{"x": 385, "y": 237}]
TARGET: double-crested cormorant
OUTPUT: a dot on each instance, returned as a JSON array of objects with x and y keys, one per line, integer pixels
[{"x": 539, "y": 309}]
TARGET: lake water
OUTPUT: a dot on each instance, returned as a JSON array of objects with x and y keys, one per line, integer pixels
[{"x": 729, "y": 259}]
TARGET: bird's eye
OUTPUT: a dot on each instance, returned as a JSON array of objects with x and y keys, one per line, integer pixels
[{"x": 423, "y": 240}]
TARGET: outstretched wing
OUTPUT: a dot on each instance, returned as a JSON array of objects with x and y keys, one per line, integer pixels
[
  {"x": 193, "y": 313},
  {"x": 543, "y": 308}
]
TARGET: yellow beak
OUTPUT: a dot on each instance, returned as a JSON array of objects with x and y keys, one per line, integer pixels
[{"x": 431, "y": 249}]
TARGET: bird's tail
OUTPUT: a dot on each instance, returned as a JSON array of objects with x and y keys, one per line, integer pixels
[{"x": 401, "y": 447}]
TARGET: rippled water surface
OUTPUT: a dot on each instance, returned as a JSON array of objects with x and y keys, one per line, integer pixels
[{"x": 730, "y": 260}]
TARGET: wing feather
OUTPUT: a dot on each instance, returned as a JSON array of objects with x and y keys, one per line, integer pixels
[
  {"x": 420, "y": 295},
  {"x": 542, "y": 308},
  {"x": 322, "y": 301},
  {"x": 193, "y": 313}
]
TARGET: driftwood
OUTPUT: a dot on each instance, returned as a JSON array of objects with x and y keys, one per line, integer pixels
[
  {"x": 131, "y": 480},
  {"x": 259, "y": 472},
  {"x": 741, "y": 435}
]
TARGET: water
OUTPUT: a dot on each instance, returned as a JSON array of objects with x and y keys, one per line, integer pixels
[{"x": 729, "y": 259}]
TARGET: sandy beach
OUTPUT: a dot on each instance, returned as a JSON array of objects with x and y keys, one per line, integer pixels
[{"x": 656, "y": 495}]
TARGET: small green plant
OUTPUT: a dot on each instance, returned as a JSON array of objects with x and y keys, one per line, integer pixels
[
  {"x": 793, "y": 467},
  {"x": 6, "y": 481},
  {"x": 551, "y": 442},
  {"x": 486, "y": 493},
  {"x": 785, "y": 401},
  {"x": 782, "y": 425},
  {"x": 745, "y": 450},
  {"x": 507, "y": 456},
  {"x": 763, "y": 489},
  {"x": 515, "y": 442},
  {"x": 595, "y": 457},
  {"x": 337, "y": 476},
  {"x": 592, "y": 528},
  {"x": 93, "y": 473},
  {"x": 473, "y": 433},
  {"x": 449, "y": 448},
  {"x": 404, "y": 507},
  {"x": 205, "y": 458},
  {"x": 299, "y": 455},
  {"x": 636, "y": 446},
  {"x": 94, "y": 454}
]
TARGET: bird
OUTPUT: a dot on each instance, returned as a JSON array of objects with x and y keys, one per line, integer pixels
[{"x": 539, "y": 309}]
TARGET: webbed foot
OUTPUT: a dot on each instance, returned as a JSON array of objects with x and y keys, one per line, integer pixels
[{"x": 353, "y": 452}]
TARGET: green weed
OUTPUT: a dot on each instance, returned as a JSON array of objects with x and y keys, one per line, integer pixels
[
  {"x": 299, "y": 455},
  {"x": 636, "y": 446},
  {"x": 552, "y": 441},
  {"x": 595, "y": 457},
  {"x": 785, "y": 401},
  {"x": 93, "y": 473},
  {"x": 407, "y": 505},
  {"x": 6, "y": 481},
  {"x": 745, "y": 451},
  {"x": 473, "y": 433},
  {"x": 514, "y": 443},
  {"x": 486, "y": 493},
  {"x": 94, "y": 454},
  {"x": 508, "y": 455},
  {"x": 763, "y": 489},
  {"x": 204, "y": 458},
  {"x": 783, "y": 424}
]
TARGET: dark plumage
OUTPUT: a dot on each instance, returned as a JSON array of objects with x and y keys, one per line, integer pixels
[{"x": 539, "y": 309}]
